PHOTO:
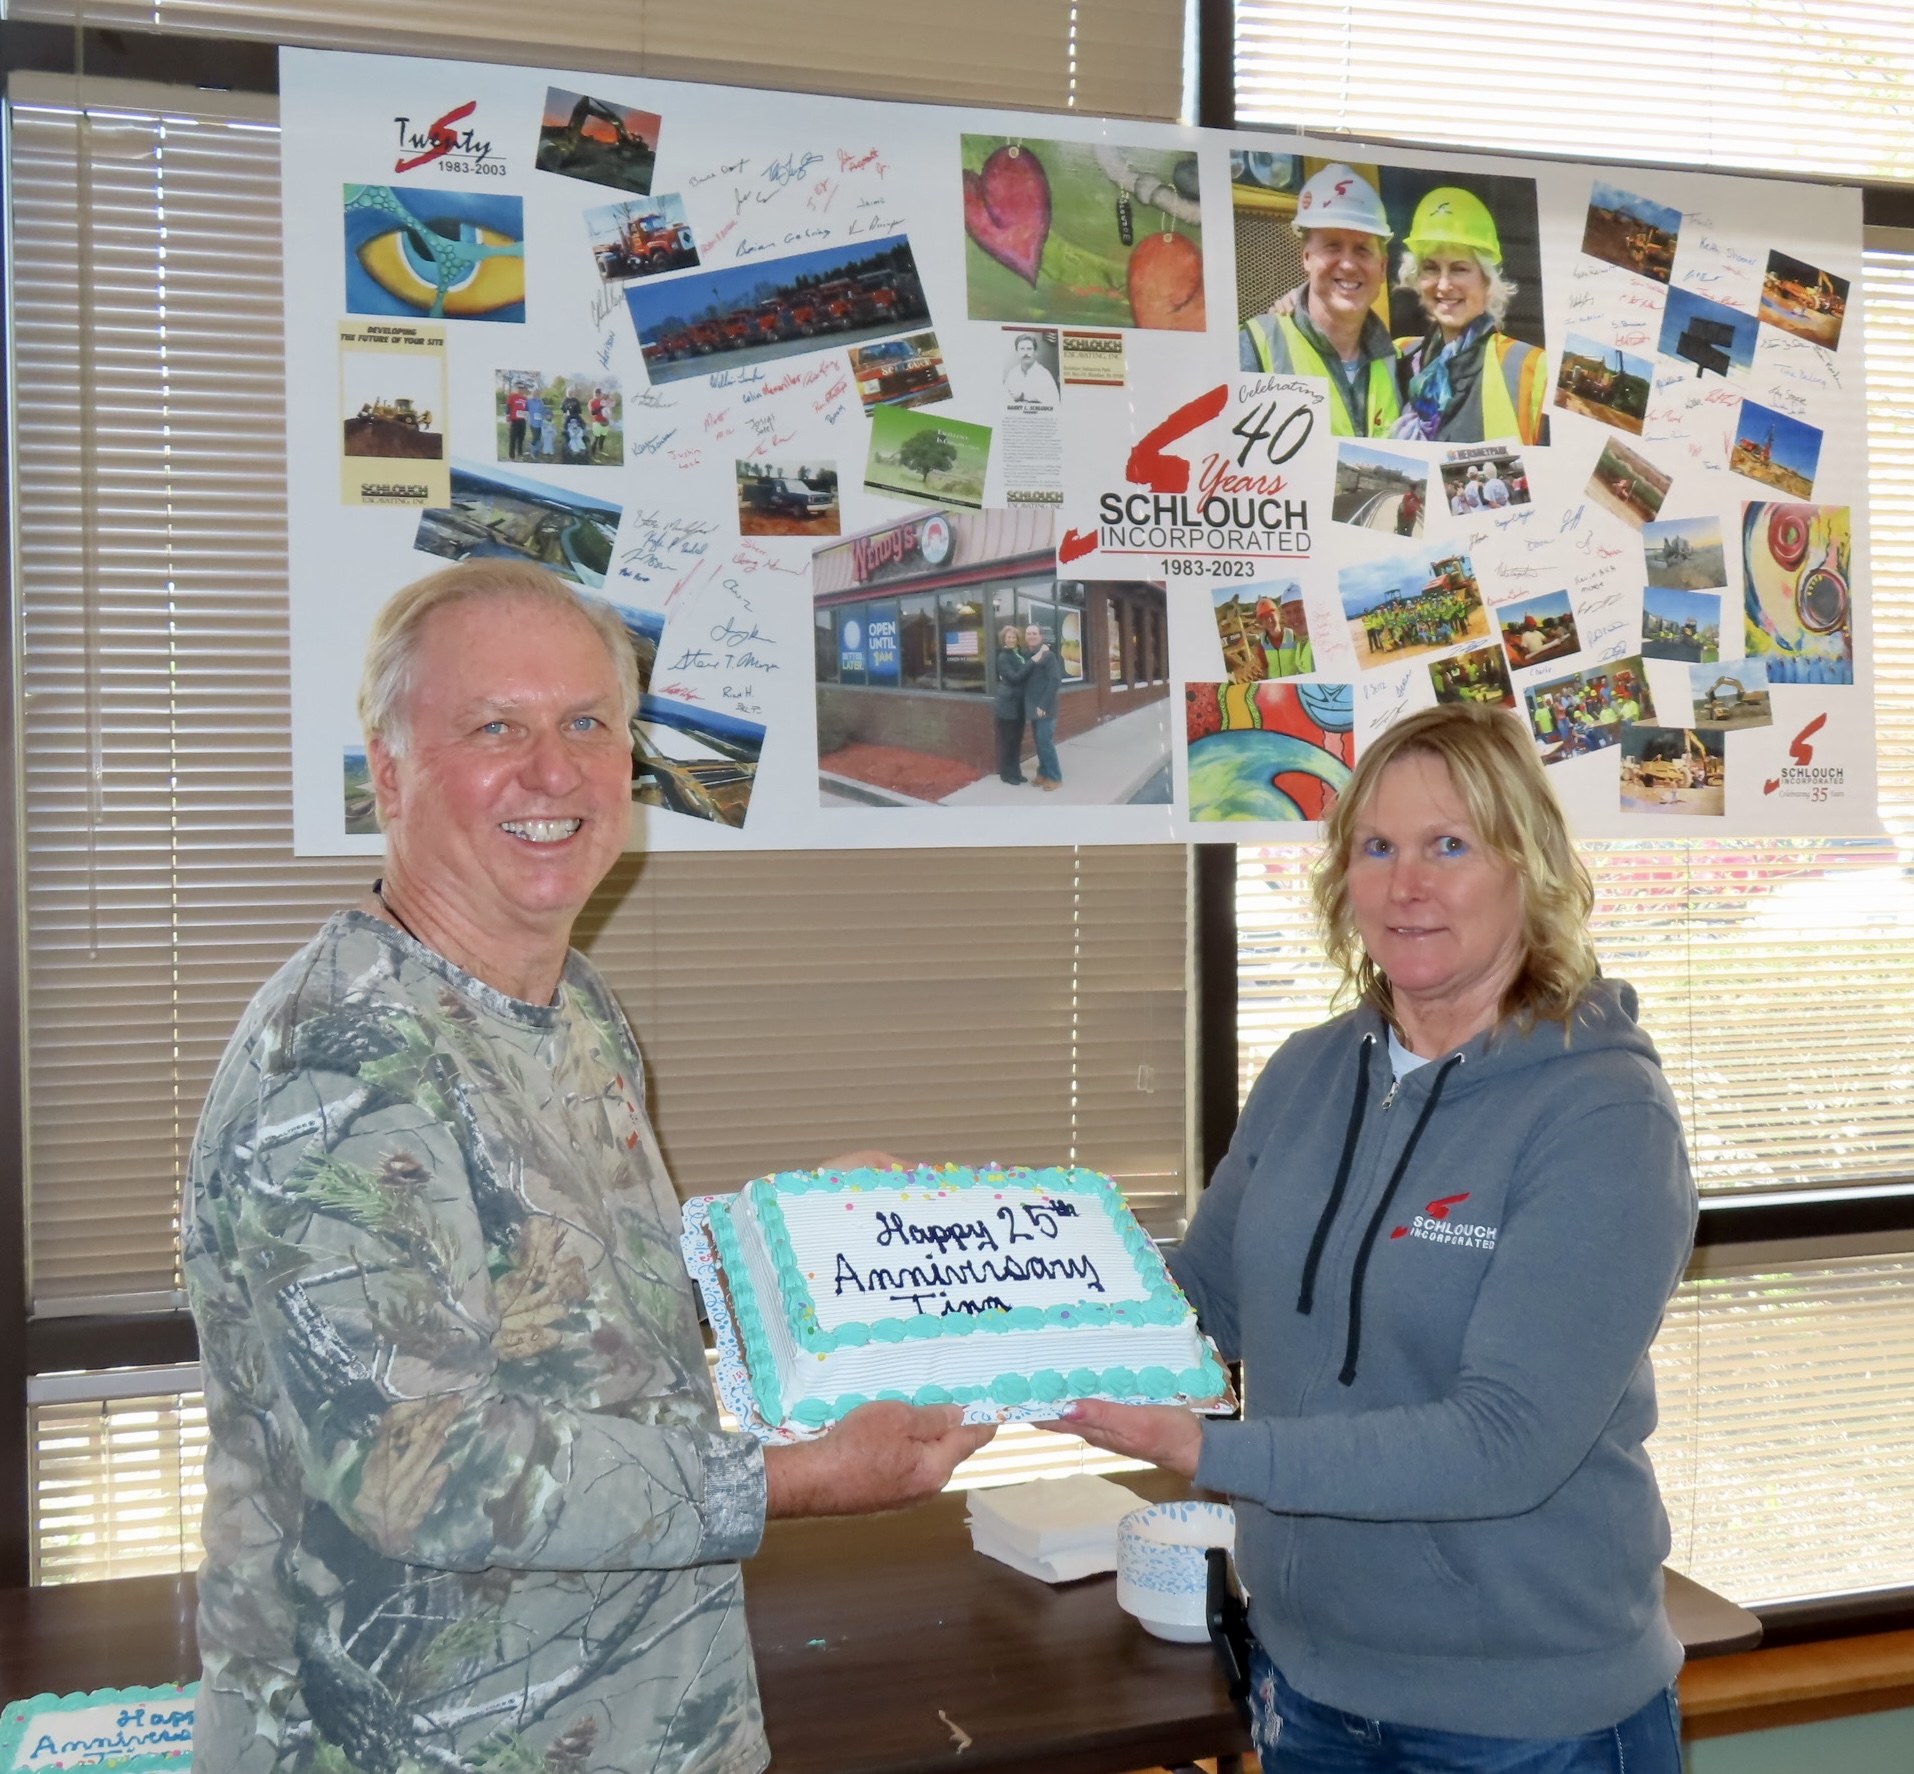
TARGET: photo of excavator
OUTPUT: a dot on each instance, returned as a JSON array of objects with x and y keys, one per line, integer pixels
[{"x": 582, "y": 137}]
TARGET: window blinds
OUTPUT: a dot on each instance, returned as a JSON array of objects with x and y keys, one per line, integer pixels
[
  {"x": 1797, "y": 88},
  {"x": 118, "y": 1483},
  {"x": 1115, "y": 58},
  {"x": 1028, "y": 1005},
  {"x": 117, "y": 1486}
]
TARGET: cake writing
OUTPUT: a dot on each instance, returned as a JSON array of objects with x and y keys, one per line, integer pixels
[
  {"x": 1041, "y": 1216},
  {"x": 933, "y": 1279}
]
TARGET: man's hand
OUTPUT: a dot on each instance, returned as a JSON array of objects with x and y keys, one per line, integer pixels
[
  {"x": 882, "y": 1456},
  {"x": 1164, "y": 1434}
]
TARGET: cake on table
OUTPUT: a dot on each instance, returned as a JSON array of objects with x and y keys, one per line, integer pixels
[{"x": 993, "y": 1288}]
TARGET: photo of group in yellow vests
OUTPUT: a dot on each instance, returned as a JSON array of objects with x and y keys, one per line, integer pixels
[{"x": 1415, "y": 293}]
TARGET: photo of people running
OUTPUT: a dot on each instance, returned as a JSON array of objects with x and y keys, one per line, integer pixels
[
  {"x": 578, "y": 421},
  {"x": 1586, "y": 713}
]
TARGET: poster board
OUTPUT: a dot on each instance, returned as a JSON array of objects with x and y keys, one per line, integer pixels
[{"x": 824, "y": 394}]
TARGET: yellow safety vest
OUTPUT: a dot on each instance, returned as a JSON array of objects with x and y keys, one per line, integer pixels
[
  {"x": 1511, "y": 401},
  {"x": 1385, "y": 404}
]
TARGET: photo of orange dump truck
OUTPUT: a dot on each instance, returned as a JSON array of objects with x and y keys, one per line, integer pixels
[
  {"x": 641, "y": 239},
  {"x": 755, "y": 312}
]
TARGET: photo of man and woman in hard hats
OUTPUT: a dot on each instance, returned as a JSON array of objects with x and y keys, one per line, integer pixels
[{"x": 1416, "y": 294}]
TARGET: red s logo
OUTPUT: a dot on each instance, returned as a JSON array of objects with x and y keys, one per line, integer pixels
[
  {"x": 1437, "y": 1209},
  {"x": 1342, "y": 187},
  {"x": 1150, "y": 467},
  {"x": 442, "y": 137},
  {"x": 1800, "y": 750}
]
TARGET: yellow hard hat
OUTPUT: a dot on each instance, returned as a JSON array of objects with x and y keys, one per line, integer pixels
[{"x": 1450, "y": 216}]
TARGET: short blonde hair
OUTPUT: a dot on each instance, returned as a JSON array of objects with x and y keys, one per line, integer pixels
[
  {"x": 1501, "y": 291},
  {"x": 394, "y": 643},
  {"x": 1496, "y": 771}
]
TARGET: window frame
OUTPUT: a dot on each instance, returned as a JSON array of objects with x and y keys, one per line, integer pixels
[{"x": 1836, "y": 1217}]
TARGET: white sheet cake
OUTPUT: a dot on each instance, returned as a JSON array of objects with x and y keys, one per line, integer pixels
[{"x": 1005, "y": 1287}]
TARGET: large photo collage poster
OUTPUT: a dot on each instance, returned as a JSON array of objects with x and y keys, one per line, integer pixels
[{"x": 973, "y": 477}]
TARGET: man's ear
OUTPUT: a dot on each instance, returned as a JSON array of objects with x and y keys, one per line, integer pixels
[{"x": 384, "y": 767}]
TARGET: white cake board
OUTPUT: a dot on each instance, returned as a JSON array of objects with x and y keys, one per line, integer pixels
[{"x": 734, "y": 1378}]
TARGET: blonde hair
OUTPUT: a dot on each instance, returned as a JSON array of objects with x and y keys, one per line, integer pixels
[
  {"x": 1501, "y": 290},
  {"x": 1494, "y": 767},
  {"x": 393, "y": 647}
]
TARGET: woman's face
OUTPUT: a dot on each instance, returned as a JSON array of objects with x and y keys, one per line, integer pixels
[
  {"x": 1454, "y": 288},
  {"x": 1007, "y": 636},
  {"x": 1438, "y": 911}
]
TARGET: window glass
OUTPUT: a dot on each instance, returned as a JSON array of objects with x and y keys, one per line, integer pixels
[
  {"x": 962, "y": 617},
  {"x": 918, "y": 641},
  {"x": 824, "y": 634},
  {"x": 1071, "y": 648}
]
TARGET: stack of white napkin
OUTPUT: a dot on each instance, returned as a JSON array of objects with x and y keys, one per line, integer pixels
[{"x": 1058, "y": 1529}]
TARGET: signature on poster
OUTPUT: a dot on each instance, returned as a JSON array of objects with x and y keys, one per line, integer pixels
[{"x": 663, "y": 547}]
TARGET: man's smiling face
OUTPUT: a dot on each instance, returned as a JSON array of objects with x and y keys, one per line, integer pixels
[
  {"x": 512, "y": 797},
  {"x": 1345, "y": 271}
]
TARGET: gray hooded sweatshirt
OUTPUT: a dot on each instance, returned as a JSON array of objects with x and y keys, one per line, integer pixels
[{"x": 1443, "y": 1291}]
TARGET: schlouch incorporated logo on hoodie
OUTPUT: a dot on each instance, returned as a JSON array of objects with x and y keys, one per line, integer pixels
[{"x": 1434, "y": 1225}]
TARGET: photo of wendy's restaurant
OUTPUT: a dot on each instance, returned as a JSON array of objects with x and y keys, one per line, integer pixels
[{"x": 955, "y": 669}]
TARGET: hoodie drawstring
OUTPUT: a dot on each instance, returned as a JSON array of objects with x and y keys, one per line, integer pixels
[
  {"x": 1306, "y": 1298},
  {"x": 1348, "y": 1374}
]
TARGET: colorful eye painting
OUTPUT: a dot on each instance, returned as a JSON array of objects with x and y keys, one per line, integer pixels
[
  {"x": 451, "y": 255},
  {"x": 1278, "y": 751}
]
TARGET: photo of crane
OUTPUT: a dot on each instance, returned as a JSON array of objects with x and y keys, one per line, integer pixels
[{"x": 1604, "y": 382}]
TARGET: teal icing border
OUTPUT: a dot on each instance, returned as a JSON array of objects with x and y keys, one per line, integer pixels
[
  {"x": 746, "y": 1318},
  {"x": 1164, "y": 1302},
  {"x": 42, "y": 1708}
]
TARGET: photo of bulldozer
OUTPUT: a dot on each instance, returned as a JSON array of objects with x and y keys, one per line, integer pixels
[{"x": 398, "y": 427}]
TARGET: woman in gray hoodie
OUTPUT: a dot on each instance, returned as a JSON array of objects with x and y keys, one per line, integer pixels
[{"x": 1441, "y": 1245}]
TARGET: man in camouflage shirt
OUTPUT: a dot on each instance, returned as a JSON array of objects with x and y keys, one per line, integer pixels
[{"x": 468, "y": 1502}]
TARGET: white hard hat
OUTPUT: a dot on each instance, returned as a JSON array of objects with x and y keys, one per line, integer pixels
[{"x": 1340, "y": 197}]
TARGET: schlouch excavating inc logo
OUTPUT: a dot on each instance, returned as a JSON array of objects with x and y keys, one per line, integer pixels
[
  {"x": 1434, "y": 1226},
  {"x": 1805, "y": 780}
]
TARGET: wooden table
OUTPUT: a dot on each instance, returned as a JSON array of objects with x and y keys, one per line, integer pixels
[
  {"x": 865, "y": 1631},
  {"x": 879, "y": 1643}
]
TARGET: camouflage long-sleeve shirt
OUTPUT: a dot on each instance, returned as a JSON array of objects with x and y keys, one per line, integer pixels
[{"x": 468, "y": 1504}]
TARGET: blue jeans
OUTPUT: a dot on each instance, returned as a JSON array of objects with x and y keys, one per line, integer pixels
[
  {"x": 1297, "y": 1736},
  {"x": 1043, "y": 729}
]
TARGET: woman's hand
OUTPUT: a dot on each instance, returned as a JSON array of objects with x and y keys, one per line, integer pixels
[{"x": 1164, "y": 1434}]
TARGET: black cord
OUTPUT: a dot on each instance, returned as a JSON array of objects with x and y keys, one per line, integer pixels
[{"x": 378, "y": 893}]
